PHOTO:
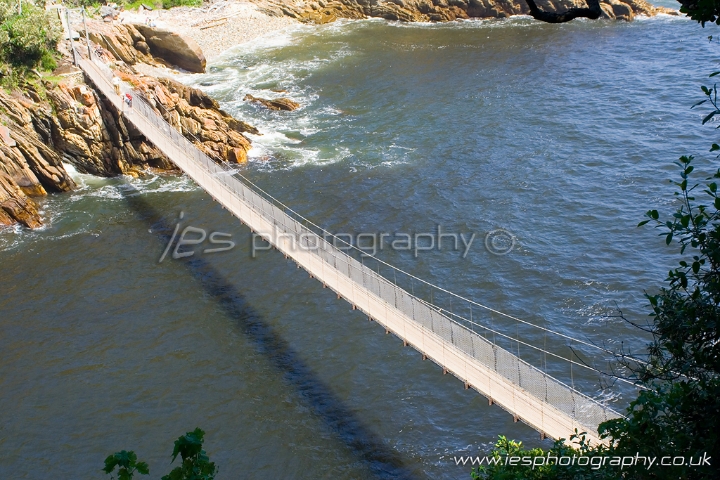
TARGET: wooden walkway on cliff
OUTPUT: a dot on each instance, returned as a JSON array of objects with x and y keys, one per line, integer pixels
[{"x": 452, "y": 340}]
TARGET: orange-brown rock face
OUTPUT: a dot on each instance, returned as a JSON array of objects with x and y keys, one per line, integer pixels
[
  {"x": 139, "y": 43},
  {"x": 29, "y": 166},
  {"x": 87, "y": 131},
  {"x": 72, "y": 122},
  {"x": 15, "y": 206},
  {"x": 197, "y": 116},
  {"x": 324, "y": 11}
]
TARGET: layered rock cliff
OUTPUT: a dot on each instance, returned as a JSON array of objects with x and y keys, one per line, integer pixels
[
  {"x": 68, "y": 121},
  {"x": 324, "y": 11},
  {"x": 29, "y": 166}
]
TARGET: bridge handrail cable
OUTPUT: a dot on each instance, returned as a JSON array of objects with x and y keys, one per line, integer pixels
[{"x": 458, "y": 335}]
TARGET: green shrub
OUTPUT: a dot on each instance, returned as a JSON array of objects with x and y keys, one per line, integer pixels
[
  {"x": 28, "y": 40},
  {"x": 181, "y": 3},
  {"x": 196, "y": 464}
]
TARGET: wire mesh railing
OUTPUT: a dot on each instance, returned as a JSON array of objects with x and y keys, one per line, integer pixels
[{"x": 461, "y": 323}]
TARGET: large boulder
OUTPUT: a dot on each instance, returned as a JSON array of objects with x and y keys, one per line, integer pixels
[
  {"x": 174, "y": 48},
  {"x": 121, "y": 41}
]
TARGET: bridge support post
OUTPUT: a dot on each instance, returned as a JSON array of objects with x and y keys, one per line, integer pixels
[
  {"x": 467, "y": 385},
  {"x": 490, "y": 401},
  {"x": 424, "y": 357}
]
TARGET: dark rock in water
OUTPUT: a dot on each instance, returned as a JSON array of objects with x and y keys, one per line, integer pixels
[{"x": 277, "y": 104}]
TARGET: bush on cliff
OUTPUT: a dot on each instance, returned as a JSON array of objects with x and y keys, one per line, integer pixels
[{"x": 28, "y": 40}]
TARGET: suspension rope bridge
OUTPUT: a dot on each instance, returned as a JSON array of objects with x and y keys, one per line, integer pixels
[{"x": 451, "y": 337}]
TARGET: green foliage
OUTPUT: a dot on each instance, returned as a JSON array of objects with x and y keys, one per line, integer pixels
[
  {"x": 196, "y": 465},
  {"x": 672, "y": 419},
  {"x": 686, "y": 314},
  {"x": 80, "y": 3},
  {"x": 181, "y": 3},
  {"x": 127, "y": 465},
  {"x": 155, "y": 4},
  {"x": 27, "y": 40},
  {"x": 537, "y": 463},
  {"x": 677, "y": 414},
  {"x": 701, "y": 11}
]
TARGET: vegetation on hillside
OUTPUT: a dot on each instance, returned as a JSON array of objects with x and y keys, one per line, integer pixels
[
  {"x": 181, "y": 3},
  {"x": 93, "y": 6},
  {"x": 28, "y": 40}
]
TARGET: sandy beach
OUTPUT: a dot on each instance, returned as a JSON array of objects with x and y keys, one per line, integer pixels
[{"x": 216, "y": 27}]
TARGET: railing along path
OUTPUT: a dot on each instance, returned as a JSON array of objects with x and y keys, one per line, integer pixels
[{"x": 449, "y": 339}]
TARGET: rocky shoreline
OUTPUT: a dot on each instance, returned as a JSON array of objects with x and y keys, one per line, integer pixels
[
  {"x": 51, "y": 122},
  {"x": 324, "y": 11},
  {"x": 68, "y": 121}
]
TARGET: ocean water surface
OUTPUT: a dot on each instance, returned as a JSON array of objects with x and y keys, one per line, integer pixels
[{"x": 562, "y": 135}]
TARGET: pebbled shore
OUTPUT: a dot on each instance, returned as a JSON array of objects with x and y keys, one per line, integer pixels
[{"x": 218, "y": 26}]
